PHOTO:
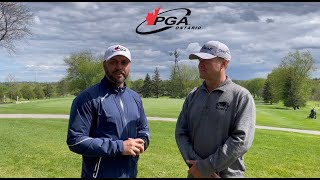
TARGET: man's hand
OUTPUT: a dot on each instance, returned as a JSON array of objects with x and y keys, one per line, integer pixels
[
  {"x": 195, "y": 172},
  {"x": 133, "y": 147}
]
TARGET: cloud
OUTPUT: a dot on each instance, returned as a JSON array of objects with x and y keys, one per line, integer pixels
[
  {"x": 258, "y": 35},
  {"x": 249, "y": 15},
  {"x": 150, "y": 53},
  {"x": 305, "y": 42}
]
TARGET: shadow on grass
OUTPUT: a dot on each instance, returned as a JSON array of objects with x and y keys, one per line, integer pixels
[{"x": 282, "y": 108}]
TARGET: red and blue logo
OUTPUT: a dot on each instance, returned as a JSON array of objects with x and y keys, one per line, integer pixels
[{"x": 156, "y": 19}]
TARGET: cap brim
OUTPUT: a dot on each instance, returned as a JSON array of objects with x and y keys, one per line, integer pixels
[
  {"x": 117, "y": 54},
  {"x": 201, "y": 55}
]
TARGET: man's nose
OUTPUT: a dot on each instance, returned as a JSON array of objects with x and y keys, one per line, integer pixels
[
  {"x": 118, "y": 66},
  {"x": 201, "y": 62}
]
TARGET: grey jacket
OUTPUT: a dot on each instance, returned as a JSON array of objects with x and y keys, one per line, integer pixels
[{"x": 217, "y": 128}]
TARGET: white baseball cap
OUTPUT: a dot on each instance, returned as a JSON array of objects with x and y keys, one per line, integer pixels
[
  {"x": 117, "y": 50},
  {"x": 212, "y": 49}
]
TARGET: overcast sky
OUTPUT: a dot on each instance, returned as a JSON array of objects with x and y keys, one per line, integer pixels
[{"x": 258, "y": 35}]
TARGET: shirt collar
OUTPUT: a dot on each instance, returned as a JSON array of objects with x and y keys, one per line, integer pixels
[{"x": 222, "y": 87}]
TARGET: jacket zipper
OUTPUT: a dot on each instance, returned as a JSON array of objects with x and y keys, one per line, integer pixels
[
  {"x": 123, "y": 112},
  {"x": 96, "y": 169}
]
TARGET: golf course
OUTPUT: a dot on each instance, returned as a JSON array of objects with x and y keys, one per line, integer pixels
[{"x": 37, "y": 147}]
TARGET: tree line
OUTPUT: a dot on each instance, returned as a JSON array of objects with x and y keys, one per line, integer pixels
[{"x": 290, "y": 82}]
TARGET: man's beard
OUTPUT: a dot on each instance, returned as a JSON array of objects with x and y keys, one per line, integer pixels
[{"x": 115, "y": 80}]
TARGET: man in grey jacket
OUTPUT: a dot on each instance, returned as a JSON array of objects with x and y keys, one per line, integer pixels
[{"x": 216, "y": 125}]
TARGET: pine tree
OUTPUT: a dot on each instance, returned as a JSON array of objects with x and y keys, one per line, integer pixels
[
  {"x": 156, "y": 82},
  {"x": 147, "y": 87}
]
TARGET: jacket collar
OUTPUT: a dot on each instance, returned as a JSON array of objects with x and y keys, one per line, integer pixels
[{"x": 111, "y": 87}]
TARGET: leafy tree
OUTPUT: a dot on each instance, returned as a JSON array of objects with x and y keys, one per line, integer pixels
[
  {"x": 137, "y": 86},
  {"x": 62, "y": 88},
  {"x": 3, "y": 92},
  {"x": 84, "y": 70},
  {"x": 27, "y": 92},
  {"x": 49, "y": 90},
  {"x": 38, "y": 91},
  {"x": 315, "y": 89},
  {"x": 183, "y": 80},
  {"x": 276, "y": 80},
  {"x": 189, "y": 78},
  {"x": 147, "y": 87},
  {"x": 297, "y": 68},
  {"x": 15, "y": 19},
  {"x": 255, "y": 86}
]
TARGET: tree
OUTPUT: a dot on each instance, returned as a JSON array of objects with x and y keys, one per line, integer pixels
[
  {"x": 190, "y": 79},
  {"x": 11, "y": 80},
  {"x": 84, "y": 70},
  {"x": 62, "y": 88},
  {"x": 147, "y": 87},
  {"x": 137, "y": 85},
  {"x": 156, "y": 82},
  {"x": 175, "y": 84},
  {"x": 315, "y": 89},
  {"x": 255, "y": 86},
  {"x": 49, "y": 90},
  {"x": 3, "y": 92},
  {"x": 15, "y": 19},
  {"x": 183, "y": 81},
  {"x": 296, "y": 69},
  {"x": 266, "y": 92},
  {"x": 27, "y": 92},
  {"x": 38, "y": 91}
]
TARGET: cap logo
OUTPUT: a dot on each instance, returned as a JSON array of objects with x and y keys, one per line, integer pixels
[
  {"x": 224, "y": 52},
  {"x": 207, "y": 48},
  {"x": 118, "y": 48}
]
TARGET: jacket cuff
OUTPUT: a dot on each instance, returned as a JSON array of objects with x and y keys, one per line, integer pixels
[
  {"x": 120, "y": 146},
  {"x": 205, "y": 167}
]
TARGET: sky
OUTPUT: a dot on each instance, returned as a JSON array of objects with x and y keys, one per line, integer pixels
[{"x": 259, "y": 35}]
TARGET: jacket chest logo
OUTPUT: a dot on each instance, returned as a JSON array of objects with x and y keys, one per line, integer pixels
[{"x": 222, "y": 106}]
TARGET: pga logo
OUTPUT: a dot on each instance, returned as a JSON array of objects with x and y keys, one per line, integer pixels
[{"x": 155, "y": 19}]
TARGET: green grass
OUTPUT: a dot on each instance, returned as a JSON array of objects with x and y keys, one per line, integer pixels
[
  {"x": 278, "y": 115},
  {"x": 162, "y": 107},
  {"x": 37, "y": 148},
  {"x": 43, "y": 106},
  {"x": 267, "y": 115}
]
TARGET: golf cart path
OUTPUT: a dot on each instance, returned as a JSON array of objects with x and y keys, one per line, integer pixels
[{"x": 61, "y": 116}]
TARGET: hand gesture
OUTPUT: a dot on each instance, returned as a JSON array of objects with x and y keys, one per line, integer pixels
[{"x": 133, "y": 147}]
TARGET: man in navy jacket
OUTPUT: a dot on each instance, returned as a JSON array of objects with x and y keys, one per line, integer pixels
[{"x": 107, "y": 123}]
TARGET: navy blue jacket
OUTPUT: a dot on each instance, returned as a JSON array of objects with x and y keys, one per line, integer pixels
[{"x": 98, "y": 126}]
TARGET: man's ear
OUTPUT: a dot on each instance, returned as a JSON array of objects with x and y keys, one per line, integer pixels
[{"x": 225, "y": 63}]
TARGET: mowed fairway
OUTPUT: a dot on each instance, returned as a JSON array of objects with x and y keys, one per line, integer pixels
[{"x": 37, "y": 148}]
